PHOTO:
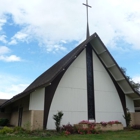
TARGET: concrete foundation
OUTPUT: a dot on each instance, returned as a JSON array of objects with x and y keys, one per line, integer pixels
[{"x": 36, "y": 119}]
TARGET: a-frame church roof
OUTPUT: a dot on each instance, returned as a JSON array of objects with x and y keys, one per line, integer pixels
[{"x": 102, "y": 53}]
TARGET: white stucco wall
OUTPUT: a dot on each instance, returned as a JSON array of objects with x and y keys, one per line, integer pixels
[
  {"x": 71, "y": 94},
  {"x": 129, "y": 104},
  {"x": 37, "y": 99},
  {"x": 108, "y": 106}
]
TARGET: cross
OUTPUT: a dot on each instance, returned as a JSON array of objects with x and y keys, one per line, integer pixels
[{"x": 88, "y": 6}]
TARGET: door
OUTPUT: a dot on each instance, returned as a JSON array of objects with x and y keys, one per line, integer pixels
[{"x": 20, "y": 116}]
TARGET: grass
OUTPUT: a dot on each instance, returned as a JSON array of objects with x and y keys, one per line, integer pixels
[{"x": 119, "y": 135}]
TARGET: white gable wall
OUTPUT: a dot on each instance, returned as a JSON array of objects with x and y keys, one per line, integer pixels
[
  {"x": 71, "y": 94},
  {"x": 37, "y": 99},
  {"x": 108, "y": 106}
]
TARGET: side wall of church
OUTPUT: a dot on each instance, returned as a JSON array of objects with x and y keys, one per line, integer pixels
[
  {"x": 129, "y": 104},
  {"x": 71, "y": 94},
  {"x": 37, "y": 99},
  {"x": 108, "y": 106}
]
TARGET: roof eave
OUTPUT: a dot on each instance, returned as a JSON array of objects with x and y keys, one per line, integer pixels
[{"x": 101, "y": 50}]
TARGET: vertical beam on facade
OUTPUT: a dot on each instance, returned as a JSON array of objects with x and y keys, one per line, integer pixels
[{"x": 90, "y": 83}]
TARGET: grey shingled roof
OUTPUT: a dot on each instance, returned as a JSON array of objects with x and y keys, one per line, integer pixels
[{"x": 2, "y": 101}]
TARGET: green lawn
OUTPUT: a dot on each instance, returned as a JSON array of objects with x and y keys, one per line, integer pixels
[{"x": 120, "y": 135}]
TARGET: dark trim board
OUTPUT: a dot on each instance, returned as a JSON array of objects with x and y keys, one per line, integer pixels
[
  {"x": 121, "y": 95},
  {"x": 90, "y": 83},
  {"x": 49, "y": 94}
]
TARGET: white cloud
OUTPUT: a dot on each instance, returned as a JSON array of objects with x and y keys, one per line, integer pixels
[
  {"x": 19, "y": 36},
  {"x": 3, "y": 38},
  {"x": 11, "y": 58},
  {"x": 12, "y": 42},
  {"x": 55, "y": 48},
  {"x": 4, "y": 50},
  {"x": 67, "y": 23},
  {"x": 18, "y": 88},
  {"x": 9, "y": 90},
  {"x": 136, "y": 79},
  {"x": 12, "y": 91},
  {"x": 66, "y": 20},
  {"x": 4, "y": 95},
  {"x": 2, "y": 22}
]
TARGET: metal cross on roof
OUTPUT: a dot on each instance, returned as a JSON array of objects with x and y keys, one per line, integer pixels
[{"x": 87, "y": 6}]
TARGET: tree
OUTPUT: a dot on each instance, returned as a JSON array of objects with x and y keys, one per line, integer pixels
[
  {"x": 127, "y": 117},
  {"x": 135, "y": 85}
]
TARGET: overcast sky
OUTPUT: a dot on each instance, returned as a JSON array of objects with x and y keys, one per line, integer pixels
[{"x": 34, "y": 34}]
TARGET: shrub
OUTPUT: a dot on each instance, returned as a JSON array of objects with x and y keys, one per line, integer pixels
[
  {"x": 103, "y": 123},
  {"x": 114, "y": 122},
  {"x": 58, "y": 118},
  {"x": 110, "y": 123},
  {"x": 117, "y": 122},
  {"x": 136, "y": 126},
  {"x": 4, "y": 122},
  {"x": 84, "y": 122},
  {"x": 87, "y": 122},
  {"x": 68, "y": 128},
  {"x": 18, "y": 129},
  {"x": 6, "y": 130},
  {"x": 89, "y": 130},
  {"x": 127, "y": 117}
]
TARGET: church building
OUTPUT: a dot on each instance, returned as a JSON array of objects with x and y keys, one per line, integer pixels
[{"x": 86, "y": 84}]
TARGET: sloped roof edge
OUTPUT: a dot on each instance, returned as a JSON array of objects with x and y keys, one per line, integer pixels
[{"x": 114, "y": 66}]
